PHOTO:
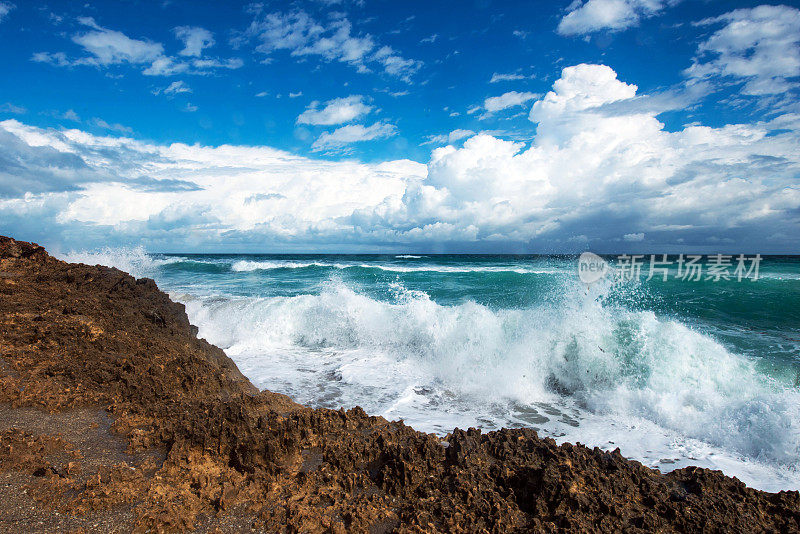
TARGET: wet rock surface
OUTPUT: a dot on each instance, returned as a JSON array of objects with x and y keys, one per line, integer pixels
[{"x": 115, "y": 417}]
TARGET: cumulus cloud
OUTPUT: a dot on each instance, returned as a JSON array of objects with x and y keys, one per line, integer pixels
[
  {"x": 353, "y": 133},
  {"x": 105, "y": 190},
  {"x": 587, "y": 178},
  {"x": 194, "y": 40},
  {"x": 507, "y": 100},
  {"x": 614, "y": 15},
  {"x": 336, "y": 111},
  {"x": 580, "y": 91},
  {"x": 106, "y": 47},
  {"x": 760, "y": 46},
  {"x": 302, "y": 35},
  {"x": 589, "y": 173}
]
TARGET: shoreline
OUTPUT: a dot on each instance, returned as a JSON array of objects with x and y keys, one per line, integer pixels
[{"x": 192, "y": 444}]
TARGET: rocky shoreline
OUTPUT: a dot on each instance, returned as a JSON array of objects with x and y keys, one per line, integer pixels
[{"x": 115, "y": 417}]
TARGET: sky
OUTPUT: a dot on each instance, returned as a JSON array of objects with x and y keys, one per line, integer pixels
[{"x": 381, "y": 126}]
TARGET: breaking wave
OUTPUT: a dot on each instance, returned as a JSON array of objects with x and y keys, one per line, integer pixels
[
  {"x": 607, "y": 360},
  {"x": 574, "y": 364}
]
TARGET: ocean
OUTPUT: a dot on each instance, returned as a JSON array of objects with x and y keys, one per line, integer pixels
[{"x": 674, "y": 372}]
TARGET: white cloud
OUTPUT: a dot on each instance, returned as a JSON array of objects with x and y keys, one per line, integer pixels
[
  {"x": 165, "y": 66},
  {"x": 633, "y": 238},
  {"x": 11, "y": 108},
  {"x": 336, "y": 111},
  {"x": 301, "y": 35},
  {"x": 599, "y": 168},
  {"x": 111, "y": 187},
  {"x": 194, "y": 40},
  {"x": 353, "y": 133},
  {"x": 58, "y": 59},
  {"x": 5, "y": 9},
  {"x": 396, "y": 65},
  {"x": 507, "y": 100},
  {"x": 497, "y": 77},
  {"x": 595, "y": 15},
  {"x": 177, "y": 87},
  {"x": 206, "y": 64},
  {"x": 110, "y": 47},
  {"x": 601, "y": 175},
  {"x": 296, "y": 95},
  {"x": 580, "y": 89},
  {"x": 760, "y": 46},
  {"x": 174, "y": 88},
  {"x": 452, "y": 137},
  {"x": 100, "y": 123}
]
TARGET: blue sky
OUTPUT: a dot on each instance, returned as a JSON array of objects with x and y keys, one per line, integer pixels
[{"x": 377, "y": 125}]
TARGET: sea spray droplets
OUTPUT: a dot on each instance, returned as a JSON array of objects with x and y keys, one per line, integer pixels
[{"x": 135, "y": 260}]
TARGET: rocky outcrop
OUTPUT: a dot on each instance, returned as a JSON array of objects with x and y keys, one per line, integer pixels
[{"x": 206, "y": 450}]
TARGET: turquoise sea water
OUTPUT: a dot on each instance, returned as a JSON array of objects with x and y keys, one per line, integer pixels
[{"x": 673, "y": 372}]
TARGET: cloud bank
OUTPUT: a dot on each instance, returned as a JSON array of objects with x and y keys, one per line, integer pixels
[{"x": 601, "y": 171}]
